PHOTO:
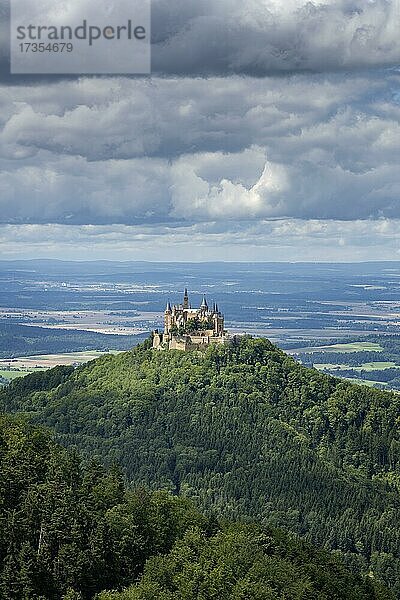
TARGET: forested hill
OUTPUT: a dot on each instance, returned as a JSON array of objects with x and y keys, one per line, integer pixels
[
  {"x": 244, "y": 431},
  {"x": 69, "y": 531}
]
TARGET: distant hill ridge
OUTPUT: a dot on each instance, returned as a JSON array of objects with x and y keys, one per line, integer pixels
[
  {"x": 247, "y": 433},
  {"x": 25, "y": 340}
]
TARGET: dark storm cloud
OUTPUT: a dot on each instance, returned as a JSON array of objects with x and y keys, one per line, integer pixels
[
  {"x": 262, "y": 37},
  {"x": 184, "y": 151},
  {"x": 118, "y": 119},
  {"x": 123, "y": 151},
  {"x": 4, "y": 40}
]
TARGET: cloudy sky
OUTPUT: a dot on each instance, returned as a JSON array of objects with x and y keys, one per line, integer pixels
[{"x": 269, "y": 130}]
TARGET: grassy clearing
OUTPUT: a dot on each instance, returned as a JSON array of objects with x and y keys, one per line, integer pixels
[
  {"x": 20, "y": 367},
  {"x": 378, "y": 366},
  {"x": 52, "y": 360},
  {"x": 349, "y": 347},
  {"x": 366, "y": 382},
  {"x": 15, "y": 374},
  {"x": 354, "y": 347},
  {"x": 371, "y": 366}
]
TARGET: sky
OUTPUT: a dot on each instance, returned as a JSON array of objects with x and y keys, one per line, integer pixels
[{"x": 268, "y": 130}]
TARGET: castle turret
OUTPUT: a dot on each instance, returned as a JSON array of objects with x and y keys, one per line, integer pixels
[
  {"x": 186, "y": 299},
  {"x": 167, "y": 319},
  {"x": 218, "y": 321},
  {"x": 204, "y": 305}
]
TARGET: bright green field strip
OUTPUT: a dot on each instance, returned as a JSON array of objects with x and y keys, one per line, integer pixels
[
  {"x": 30, "y": 364},
  {"x": 367, "y": 382},
  {"x": 351, "y": 347},
  {"x": 15, "y": 374},
  {"x": 354, "y": 347},
  {"x": 378, "y": 366}
]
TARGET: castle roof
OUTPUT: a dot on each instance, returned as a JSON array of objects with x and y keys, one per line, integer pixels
[{"x": 204, "y": 303}]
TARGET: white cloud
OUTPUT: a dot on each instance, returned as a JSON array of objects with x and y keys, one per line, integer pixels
[
  {"x": 193, "y": 197},
  {"x": 81, "y": 152},
  {"x": 71, "y": 190},
  {"x": 281, "y": 240}
]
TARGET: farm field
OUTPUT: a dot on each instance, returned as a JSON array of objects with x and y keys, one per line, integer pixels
[
  {"x": 20, "y": 367},
  {"x": 367, "y": 382},
  {"x": 372, "y": 366},
  {"x": 52, "y": 360},
  {"x": 355, "y": 347},
  {"x": 124, "y": 323},
  {"x": 340, "y": 348},
  {"x": 374, "y": 362},
  {"x": 10, "y": 375}
]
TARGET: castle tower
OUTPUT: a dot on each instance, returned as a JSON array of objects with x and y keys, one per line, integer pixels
[
  {"x": 186, "y": 299},
  {"x": 168, "y": 319},
  {"x": 218, "y": 321},
  {"x": 204, "y": 305}
]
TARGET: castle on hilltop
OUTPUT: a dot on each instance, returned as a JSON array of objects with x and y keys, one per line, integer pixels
[{"x": 187, "y": 328}]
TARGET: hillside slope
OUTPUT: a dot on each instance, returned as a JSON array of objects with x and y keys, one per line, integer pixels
[
  {"x": 244, "y": 431},
  {"x": 65, "y": 526},
  {"x": 70, "y": 531}
]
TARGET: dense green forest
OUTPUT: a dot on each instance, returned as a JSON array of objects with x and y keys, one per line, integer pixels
[
  {"x": 23, "y": 340},
  {"x": 244, "y": 431},
  {"x": 65, "y": 526},
  {"x": 69, "y": 530},
  {"x": 246, "y": 563}
]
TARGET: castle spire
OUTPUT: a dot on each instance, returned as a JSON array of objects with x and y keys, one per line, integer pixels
[
  {"x": 168, "y": 308},
  {"x": 204, "y": 303}
]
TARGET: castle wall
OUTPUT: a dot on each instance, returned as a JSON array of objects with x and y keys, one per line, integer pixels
[
  {"x": 157, "y": 340},
  {"x": 200, "y": 339},
  {"x": 178, "y": 344},
  {"x": 189, "y": 342}
]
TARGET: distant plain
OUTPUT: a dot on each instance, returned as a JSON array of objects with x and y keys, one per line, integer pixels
[{"x": 307, "y": 309}]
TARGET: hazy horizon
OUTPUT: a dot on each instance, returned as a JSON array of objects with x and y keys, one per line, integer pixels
[{"x": 199, "y": 262}]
